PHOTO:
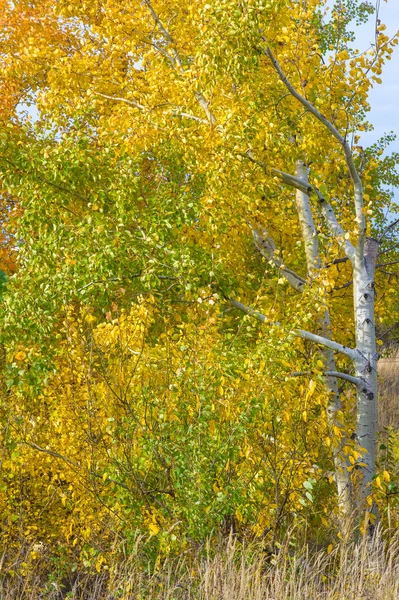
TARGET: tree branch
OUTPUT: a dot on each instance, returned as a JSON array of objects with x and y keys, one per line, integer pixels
[
  {"x": 205, "y": 107},
  {"x": 265, "y": 246},
  {"x": 388, "y": 249},
  {"x": 198, "y": 95},
  {"x": 338, "y": 374},
  {"x": 318, "y": 339},
  {"x": 164, "y": 31},
  {"x": 336, "y": 261},
  {"x": 336, "y": 229},
  {"x": 387, "y": 264},
  {"x": 306, "y": 335},
  {"x": 326, "y": 208},
  {"x": 388, "y": 229},
  {"x": 60, "y": 188},
  {"x": 357, "y": 183},
  {"x": 125, "y": 100},
  {"x": 75, "y": 464},
  {"x": 96, "y": 281},
  {"x": 188, "y": 116},
  {"x": 350, "y": 378},
  {"x": 250, "y": 311},
  {"x": 176, "y": 111}
]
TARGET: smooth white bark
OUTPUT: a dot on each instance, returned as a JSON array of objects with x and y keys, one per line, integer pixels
[
  {"x": 334, "y": 406},
  {"x": 366, "y": 360},
  {"x": 364, "y": 262}
]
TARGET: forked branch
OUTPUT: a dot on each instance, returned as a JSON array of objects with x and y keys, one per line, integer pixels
[
  {"x": 335, "y": 228},
  {"x": 176, "y": 60},
  {"x": 357, "y": 183}
]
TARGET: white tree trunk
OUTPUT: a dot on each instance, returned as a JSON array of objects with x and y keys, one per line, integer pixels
[
  {"x": 363, "y": 259},
  {"x": 311, "y": 243},
  {"x": 366, "y": 361}
]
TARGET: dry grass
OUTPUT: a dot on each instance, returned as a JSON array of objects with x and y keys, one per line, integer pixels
[
  {"x": 232, "y": 572},
  {"x": 350, "y": 572},
  {"x": 388, "y": 371}
]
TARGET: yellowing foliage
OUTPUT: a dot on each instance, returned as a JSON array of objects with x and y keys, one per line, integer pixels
[
  {"x": 134, "y": 398},
  {"x": 140, "y": 432}
]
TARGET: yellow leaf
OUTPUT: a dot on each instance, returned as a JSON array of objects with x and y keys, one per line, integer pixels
[
  {"x": 329, "y": 549},
  {"x": 153, "y": 528},
  {"x": 312, "y": 387},
  {"x": 343, "y": 55}
]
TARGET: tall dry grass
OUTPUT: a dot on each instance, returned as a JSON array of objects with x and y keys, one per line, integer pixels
[
  {"x": 388, "y": 381},
  {"x": 365, "y": 571}
]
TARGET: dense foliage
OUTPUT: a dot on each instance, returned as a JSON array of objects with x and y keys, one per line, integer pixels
[{"x": 135, "y": 397}]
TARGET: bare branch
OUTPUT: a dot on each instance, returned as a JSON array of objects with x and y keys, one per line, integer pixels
[
  {"x": 306, "y": 335},
  {"x": 118, "y": 99},
  {"x": 336, "y": 229},
  {"x": 350, "y": 378},
  {"x": 357, "y": 183},
  {"x": 265, "y": 246},
  {"x": 339, "y": 374},
  {"x": 387, "y": 264},
  {"x": 326, "y": 208},
  {"x": 388, "y": 229},
  {"x": 177, "y": 59}
]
